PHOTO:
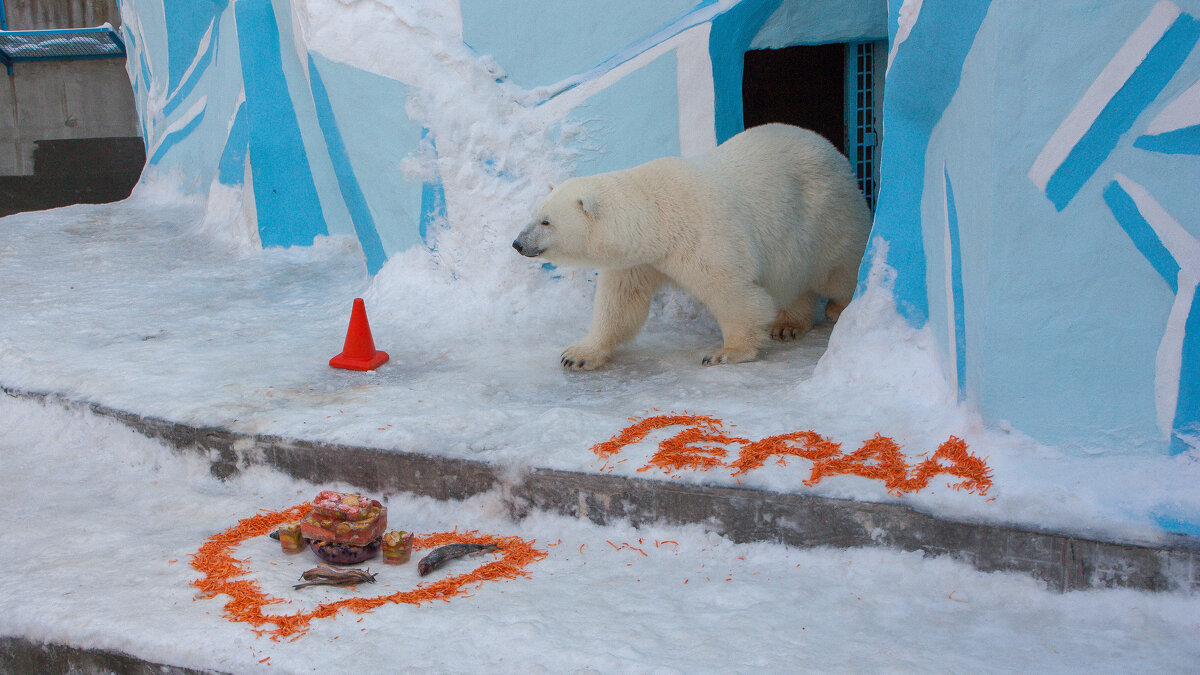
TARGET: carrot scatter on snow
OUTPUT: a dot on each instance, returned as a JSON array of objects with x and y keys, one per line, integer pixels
[
  {"x": 879, "y": 458},
  {"x": 247, "y": 601}
]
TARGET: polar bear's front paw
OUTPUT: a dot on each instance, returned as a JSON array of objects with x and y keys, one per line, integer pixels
[
  {"x": 579, "y": 357},
  {"x": 729, "y": 356}
]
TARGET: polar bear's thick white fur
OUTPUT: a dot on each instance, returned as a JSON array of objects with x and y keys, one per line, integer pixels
[{"x": 757, "y": 230}]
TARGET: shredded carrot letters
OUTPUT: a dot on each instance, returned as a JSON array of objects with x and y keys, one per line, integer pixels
[{"x": 703, "y": 445}]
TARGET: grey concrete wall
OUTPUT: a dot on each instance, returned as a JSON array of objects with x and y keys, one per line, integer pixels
[
  {"x": 40, "y": 14},
  {"x": 57, "y": 100}
]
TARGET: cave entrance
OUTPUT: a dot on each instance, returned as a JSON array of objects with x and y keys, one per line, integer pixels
[{"x": 833, "y": 89}]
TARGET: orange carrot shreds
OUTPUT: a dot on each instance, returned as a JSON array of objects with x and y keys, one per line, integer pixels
[
  {"x": 625, "y": 545},
  {"x": 889, "y": 465},
  {"x": 813, "y": 447},
  {"x": 247, "y": 600},
  {"x": 879, "y": 458},
  {"x": 678, "y": 451},
  {"x": 976, "y": 475},
  {"x": 638, "y": 431}
]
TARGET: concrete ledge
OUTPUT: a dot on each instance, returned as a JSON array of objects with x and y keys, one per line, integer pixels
[
  {"x": 742, "y": 514},
  {"x": 18, "y": 655}
]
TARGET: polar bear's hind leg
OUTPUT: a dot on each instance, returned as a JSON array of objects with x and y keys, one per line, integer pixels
[{"x": 743, "y": 314}]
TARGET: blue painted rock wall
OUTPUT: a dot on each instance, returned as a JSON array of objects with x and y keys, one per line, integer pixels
[
  {"x": 232, "y": 93},
  {"x": 1045, "y": 154},
  {"x": 1038, "y": 185}
]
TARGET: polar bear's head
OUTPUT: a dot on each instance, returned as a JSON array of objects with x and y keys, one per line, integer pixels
[{"x": 564, "y": 227}]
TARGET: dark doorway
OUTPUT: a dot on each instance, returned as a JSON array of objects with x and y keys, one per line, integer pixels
[
  {"x": 804, "y": 86},
  {"x": 75, "y": 171}
]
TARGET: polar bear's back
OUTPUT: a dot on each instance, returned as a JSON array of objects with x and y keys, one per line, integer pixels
[
  {"x": 794, "y": 199},
  {"x": 776, "y": 166}
]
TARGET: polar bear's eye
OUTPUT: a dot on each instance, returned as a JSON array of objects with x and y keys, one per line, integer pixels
[{"x": 545, "y": 223}]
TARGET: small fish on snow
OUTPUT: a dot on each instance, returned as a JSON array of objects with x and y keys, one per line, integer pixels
[
  {"x": 443, "y": 554},
  {"x": 324, "y": 575}
]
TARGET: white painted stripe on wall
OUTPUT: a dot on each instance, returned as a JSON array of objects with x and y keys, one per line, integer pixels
[
  {"x": 1107, "y": 84},
  {"x": 154, "y": 99},
  {"x": 910, "y": 11},
  {"x": 562, "y": 104},
  {"x": 203, "y": 47},
  {"x": 697, "y": 95},
  {"x": 159, "y": 135},
  {"x": 1185, "y": 249},
  {"x": 1182, "y": 112},
  {"x": 1182, "y": 246},
  {"x": 1169, "y": 361},
  {"x": 298, "y": 16},
  {"x": 237, "y": 103}
]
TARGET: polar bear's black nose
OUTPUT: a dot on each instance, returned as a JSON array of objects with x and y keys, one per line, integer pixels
[{"x": 526, "y": 249}]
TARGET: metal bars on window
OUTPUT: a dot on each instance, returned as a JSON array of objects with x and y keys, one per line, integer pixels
[{"x": 863, "y": 92}]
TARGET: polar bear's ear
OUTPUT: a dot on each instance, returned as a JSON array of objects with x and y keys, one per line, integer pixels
[
  {"x": 552, "y": 186},
  {"x": 588, "y": 204}
]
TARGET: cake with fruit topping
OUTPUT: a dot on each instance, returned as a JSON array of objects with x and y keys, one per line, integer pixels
[{"x": 344, "y": 528}]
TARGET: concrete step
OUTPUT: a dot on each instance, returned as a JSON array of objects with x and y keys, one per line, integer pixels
[
  {"x": 18, "y": 655},
  {"x": 1063, "y": 561}
]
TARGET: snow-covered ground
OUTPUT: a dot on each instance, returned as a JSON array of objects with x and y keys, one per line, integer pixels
[
  {"x": 139, "y": 307},
  {"x": 163, "y": 305},
  {"x": 99, "y": 524},
  {"x": 134, "y": 306}
]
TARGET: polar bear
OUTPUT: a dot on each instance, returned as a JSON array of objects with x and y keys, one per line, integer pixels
[{"x": 757, "y": 230}]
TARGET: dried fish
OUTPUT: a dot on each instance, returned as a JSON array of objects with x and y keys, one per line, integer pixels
[
  {"x": 324, "y": 575},
  {"x": 443, "y": 554}
]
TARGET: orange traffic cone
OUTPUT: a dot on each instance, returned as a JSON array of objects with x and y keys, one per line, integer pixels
[{"x": 359, "y": 352}]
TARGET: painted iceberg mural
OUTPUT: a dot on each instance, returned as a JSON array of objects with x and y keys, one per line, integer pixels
[
  {"x": 1053, "y": 192},
  {"x": 1036, "y": 164}
]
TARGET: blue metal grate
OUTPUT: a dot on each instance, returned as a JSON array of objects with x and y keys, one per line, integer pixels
[
  {"x": 862, "y": 88},
  {"x": 59, "y": 44}
]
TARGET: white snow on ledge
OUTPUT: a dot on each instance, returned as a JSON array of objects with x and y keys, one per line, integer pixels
[
  {"x": 138, "y": 306},
  {"x": 116, "y": 576}
]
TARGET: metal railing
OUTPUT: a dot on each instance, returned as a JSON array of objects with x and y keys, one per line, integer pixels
[{"x": 58, "y": 44}]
